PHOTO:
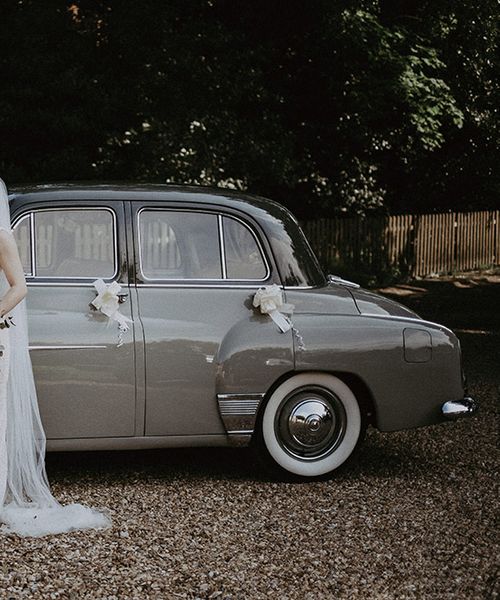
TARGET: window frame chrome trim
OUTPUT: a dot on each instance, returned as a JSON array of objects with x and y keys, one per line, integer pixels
[
  {"x": 201, "y": 282},
  {"x": 222, "y": 247},
  {"x": 53, "y": 278},
  {"x": 33, "y": 245},
  {"x": 210, "y": 285}
]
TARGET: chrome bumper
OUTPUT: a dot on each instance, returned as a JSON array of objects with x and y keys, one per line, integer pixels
[{"x": 459, "y": 408}]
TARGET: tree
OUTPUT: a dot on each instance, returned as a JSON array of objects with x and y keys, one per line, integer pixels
[{"x": 326, "y": 106}]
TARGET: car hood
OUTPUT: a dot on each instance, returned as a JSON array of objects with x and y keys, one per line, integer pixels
[{"x": 369, "y": 303}]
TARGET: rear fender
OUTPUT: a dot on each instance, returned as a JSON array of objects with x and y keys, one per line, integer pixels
[
  {"x": 405, "y": 394},
  {"x": 252, "y": 357}
]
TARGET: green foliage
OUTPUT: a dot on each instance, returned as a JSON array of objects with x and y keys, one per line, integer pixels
[
  {"x": 353, "y": 106},
  {"x": 429, "y": 98}
]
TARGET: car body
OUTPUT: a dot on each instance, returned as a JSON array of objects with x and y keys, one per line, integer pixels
[{"x": 200, "y": 365}]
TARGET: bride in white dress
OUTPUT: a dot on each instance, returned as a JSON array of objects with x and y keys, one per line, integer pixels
[{"x": 27, "y": 506}]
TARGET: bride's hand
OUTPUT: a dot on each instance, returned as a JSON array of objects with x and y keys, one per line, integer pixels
[{"x": 11, "y": 264}]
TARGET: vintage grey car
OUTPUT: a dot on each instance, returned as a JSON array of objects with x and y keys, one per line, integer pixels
[{"x": 200, "y": 363}]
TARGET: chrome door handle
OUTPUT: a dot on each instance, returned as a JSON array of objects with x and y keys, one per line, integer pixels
[{"x": 101, "y": 289}]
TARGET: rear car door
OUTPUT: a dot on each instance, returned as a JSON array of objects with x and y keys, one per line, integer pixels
[
  {"x": 85, "y": 383},
  {"x": 197, "y": 271}
]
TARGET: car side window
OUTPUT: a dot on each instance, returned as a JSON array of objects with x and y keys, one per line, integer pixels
[
  {"x": 68, "y": 243},
  {"x": 22, "y": 235},
  {"x": 244, "y": 259},
  {"x": 179, "y": 245}
]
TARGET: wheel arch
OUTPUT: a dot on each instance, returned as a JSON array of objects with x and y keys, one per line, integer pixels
[{"x": 353, "y": 381}]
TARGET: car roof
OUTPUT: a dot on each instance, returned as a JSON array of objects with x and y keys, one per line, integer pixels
[
  {"x": 295, "y": 259},
  {"x": 126, "y": 190}
]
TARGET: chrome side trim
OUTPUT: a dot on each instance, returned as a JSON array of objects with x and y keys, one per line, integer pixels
[
  {"x": 64, "y": 347},
  {"x": 236, "y": 407},
  {"x": 240, "y": 396},
  {"x": 209, "y": 285},
  {"x": 239, "y": 413},
  {"x": 415, "y": 320},
  {"x": 299, "y": 287},
  {"x": 243, "y": 432},
  {"x": 68, "y": 283},
  {"x": 395, "y": 317}
]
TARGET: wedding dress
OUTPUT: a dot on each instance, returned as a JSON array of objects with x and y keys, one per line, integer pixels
[{"x": 27, "y": 506}]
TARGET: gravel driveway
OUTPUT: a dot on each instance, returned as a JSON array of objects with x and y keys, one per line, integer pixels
[{"x": 414, "y": 517}]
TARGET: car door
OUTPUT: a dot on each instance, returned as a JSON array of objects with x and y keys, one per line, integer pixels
[
  {"x": 85, "y": 382},
  {"x": 197, "y": 271}
]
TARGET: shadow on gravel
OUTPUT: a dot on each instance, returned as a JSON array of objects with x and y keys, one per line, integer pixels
[{"x": 148, "y": 465}]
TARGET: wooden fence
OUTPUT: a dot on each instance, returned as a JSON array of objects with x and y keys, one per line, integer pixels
[{"x": 409, "y": 245}]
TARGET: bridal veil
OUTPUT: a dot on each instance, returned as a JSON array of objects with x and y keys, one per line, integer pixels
[{"x": 28, "y": 507}]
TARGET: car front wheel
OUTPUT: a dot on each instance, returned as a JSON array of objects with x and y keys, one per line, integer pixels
[{"x": 310, "y": 426}]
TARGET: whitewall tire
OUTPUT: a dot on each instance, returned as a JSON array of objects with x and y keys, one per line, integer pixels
[{"x": 311, "y": 425}]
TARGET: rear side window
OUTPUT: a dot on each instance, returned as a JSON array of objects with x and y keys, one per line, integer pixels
[
  {"x": 68, "y": 243},
  {"x": 179, "y": 245},
  {"x": 183, "y": 244}
]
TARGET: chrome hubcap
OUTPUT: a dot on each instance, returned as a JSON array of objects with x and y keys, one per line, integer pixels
[{"x": 310, "y": 423}]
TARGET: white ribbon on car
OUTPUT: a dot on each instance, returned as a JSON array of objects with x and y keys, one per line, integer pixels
[
  {"x": 270, "y": 300},
  {"x": 107, "y": 301}
]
